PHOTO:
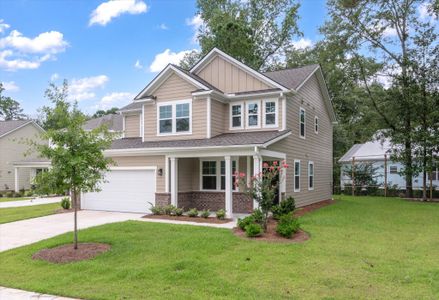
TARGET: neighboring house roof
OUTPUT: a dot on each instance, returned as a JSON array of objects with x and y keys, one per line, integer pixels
[
  {"x": 6, "y": 127},
  {"x": 222, "y": 140},
  {"x": 373, "y": 150},
  {"x": 113, "y": 121},
  {"x": 35, "y": 162},
  {"x": 292, "y": 78}
]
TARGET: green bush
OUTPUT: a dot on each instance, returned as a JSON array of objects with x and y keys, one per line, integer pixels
[
  {"x": 18, "y": 195},
  {"x": 205, "y": 213},
  {"x": 168, "y": 209},
  {"x": 1, "y": 195},
  {"x": 258, "y": 216},
  {"x": 29, "y": 194},
  {"x": 243, "y": 223},
  {"x": 9, "y": 194},
  {"x": 221, "y": 214},
  {"x": 284, "y": 207},
  {"x": 178, "y": 211},
  {"x": 287, "y": 225},
  {"x": 65, "y": 203},
  {"x": 192, "y": 213},
  {"x": 253, "y": 230},
  {"x": 155, "y": 209}
]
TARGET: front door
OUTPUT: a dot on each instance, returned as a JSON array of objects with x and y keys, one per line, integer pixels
[{"x": 275, "y": 181}]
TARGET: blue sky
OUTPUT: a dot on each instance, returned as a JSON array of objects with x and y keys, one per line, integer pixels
[{"x": 108, "y": 52}]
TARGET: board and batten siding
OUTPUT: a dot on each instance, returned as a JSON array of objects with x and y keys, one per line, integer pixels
[
  {"x": 12, "y": 149},
  {"x": 229, "y": 78},
  {"x": 132, "y": 125},
  {"x": 315, "y": 147},
  {"x": 175, "y": 88},
  {"x": 158, "y": 161}
]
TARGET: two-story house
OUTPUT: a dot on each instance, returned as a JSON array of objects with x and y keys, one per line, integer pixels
[{"x": 187, "y": 132}]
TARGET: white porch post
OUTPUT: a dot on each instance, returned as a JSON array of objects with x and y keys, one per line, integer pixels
[
  {"x": 17, "y": 188},
  {"x": 257, "y": 169},
  {"x": 229, "y": 195},
  {"x": 174, "y": 181}
]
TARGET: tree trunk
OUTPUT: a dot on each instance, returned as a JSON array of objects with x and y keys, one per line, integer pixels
[
  {"x": 424, "y": 175},
  {"x": 75, "y": 226},
  {"x": 409, "y": 171}
]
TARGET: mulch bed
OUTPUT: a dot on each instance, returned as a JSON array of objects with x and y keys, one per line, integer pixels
[
  {"x": 309, "y": 208},
  {"x": 66, "y": 253},
  {"x": 62, "y": 210},
  {"x": 210, "y": 220}
]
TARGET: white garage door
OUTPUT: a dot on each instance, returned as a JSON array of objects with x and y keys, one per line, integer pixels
[{"x": 125, "y": 190}]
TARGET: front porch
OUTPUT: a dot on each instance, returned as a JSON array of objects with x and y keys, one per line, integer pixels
[
  {"x": 206, "y": 180},
  {"x": 29, "y": 169}
]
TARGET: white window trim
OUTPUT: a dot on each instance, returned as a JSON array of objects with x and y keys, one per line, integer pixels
[
  {"x": 300, "y": 123},
  {"x": 276, "y": 113},
  {"x": 258, "y": 102},
  {"x": 316, "y": 125},
  {"x": 294, "y": 175},
  {"x": 242, "y": 115},
  {"x": 313, "y": 175},
  {"x": 174, "y": 120},
  {"x": 218, "y": 174}
]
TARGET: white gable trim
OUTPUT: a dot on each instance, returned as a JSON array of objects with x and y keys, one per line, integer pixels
[
  {"x": 215, "y": 51},
  {"x": 162, "y": 76}
]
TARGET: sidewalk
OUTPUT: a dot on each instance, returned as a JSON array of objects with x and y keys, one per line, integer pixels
[
  {"x": 14, "y": 294},
  {"x": 31, "y": 202}
]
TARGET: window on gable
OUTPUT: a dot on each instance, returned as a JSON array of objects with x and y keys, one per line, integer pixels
[
  {"x": 174, "y": 118},
  {"x": 297, "y": 175},
  {"x": 310, "y": 175},
  {"x": 302, "y": 122},
  {"x": 253, "y": 114},
  {"x": 270, "y": 113},
  {"x": 316, "y": 124},
  {"x": 237, "y": 116},
  {"x": 165, "y": 119}
]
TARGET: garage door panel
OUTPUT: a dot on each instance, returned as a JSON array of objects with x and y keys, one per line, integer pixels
[{"x": 123, "y": 190}]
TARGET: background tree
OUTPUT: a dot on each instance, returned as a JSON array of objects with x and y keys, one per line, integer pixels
[
  {"x": 52, "y": 117},
  {"x": 255, "y": 32},
  {"x": 9, "y": 108},
  {"x": 102, "y": 112},
  {"x": 76, "y": 155}
]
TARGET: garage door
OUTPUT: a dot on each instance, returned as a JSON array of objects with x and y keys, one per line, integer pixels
[{"x": 125, "y": 190}]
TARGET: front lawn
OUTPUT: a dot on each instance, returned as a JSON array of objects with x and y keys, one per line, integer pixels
[
  {"x": 7, "y": 199},
  {"x": 363, "y": 247},
  {"x": 12, "y": 214}
]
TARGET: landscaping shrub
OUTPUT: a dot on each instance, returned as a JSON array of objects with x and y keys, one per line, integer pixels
[
  {"x": 18, "y": 195},
  {"x": 9, "y": 194},
  {"x": 168, "y": 209},
  {"x": 258, "y": 216},
  {"x": 287, "y": 225},
  {"x": 155, "y": 209},
  {"x": 243, "y": 223},
  {"x": 29, "y": 194},
  {"x": 178, "y": 211},
  {"x": 253, "y": 230},
  {"x": 192, "y": 213},
  {"x": 221, "y": 214},
  {"x": 65, "y": 203},
  {"x": 205, "y": 213},
  {"x": 284, "y": 207},
  {"x": 1, "y": 195}
]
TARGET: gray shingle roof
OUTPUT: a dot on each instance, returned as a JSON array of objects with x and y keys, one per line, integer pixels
[
  {"x": 132, "y": 106},
  {"x": 113, "y": 121},
  {"x": 226, "y": 139},
  {"x": 292, "y": 78},
  {"x": 7, "y": 126}
]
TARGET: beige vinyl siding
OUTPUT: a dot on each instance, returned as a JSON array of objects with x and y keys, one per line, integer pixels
[
  {"x": 132, "y": 125},
  {"x": 229, "y": 78},
  {"x": 12, "y": 149},
  {"x": 158, "y": 161},
  {"x": 219, "y": 117},
  {"x": 176, "y": 88},
  {"x": 186, "y": 174},
  {"x": 315, "y": 147}
]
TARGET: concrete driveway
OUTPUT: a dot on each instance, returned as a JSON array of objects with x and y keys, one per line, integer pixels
[{"x": 20, "y": 233}]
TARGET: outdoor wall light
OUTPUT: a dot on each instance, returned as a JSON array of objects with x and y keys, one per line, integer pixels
[{"x": 160, "y": 172}]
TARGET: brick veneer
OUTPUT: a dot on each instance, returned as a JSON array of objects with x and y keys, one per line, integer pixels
[
  {"x": 242, "y": 203},
  {"x": 162, "y": 199}
]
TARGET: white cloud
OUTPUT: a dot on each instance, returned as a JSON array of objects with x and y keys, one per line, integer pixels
[
  {"x": 425, "y": 14},
  {"x": 54, "y": 77},
  {"x": 106, "y": 11},
  {"x": 161, "y": 60},
  {"x": 83, "y": 88},
  {"x": 14, "y": 64},
  {"x": 3, "y": 26},
  {"x": 163, "y": 26},
  {"x": 303, "y": 43},
  {"x": 115, "y": 99},
  {"x": 196, "y": 22},
  {"x": 138, "y": 65},
  {"x": 10, "y": 86}
]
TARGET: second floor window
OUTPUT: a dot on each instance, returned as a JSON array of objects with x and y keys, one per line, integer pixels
[
  {"x": 174, "y": 118},
  {"x": 270, "y": 113},
  {"x": 302, "y": 119},
  {"x": 316, "y": 124},
  {"x": 253, "y": 114},
  {"x": 237, "y": 116}
]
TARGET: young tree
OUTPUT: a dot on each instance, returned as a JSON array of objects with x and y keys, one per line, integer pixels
[
  {"x": 78, "y": 163},
  {"x": 9, "y": 108}
]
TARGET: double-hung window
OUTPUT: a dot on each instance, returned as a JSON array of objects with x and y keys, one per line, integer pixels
[
  {"x": 236, "y": 116},
  {"x": 253, "y": 111},
  {"x": 310, "y": 175},
  {"x": 297, "y": 175},
  {"x": 270, "y": 113},
  {"x": 223, "y": 174},
  {"x": 174, "y": 118},
  {"x": 213, "y": 173},
  {"x": 316, "y": 124},
  {"x": 209, "y": 181},
  {"x": 302, "y": 121}
]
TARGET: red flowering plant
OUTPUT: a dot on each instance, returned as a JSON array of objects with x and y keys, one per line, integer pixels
[{"x": 263, "y": 187}]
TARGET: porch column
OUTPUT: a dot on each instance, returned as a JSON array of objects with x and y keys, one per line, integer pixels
[
  {"x": 174, "y": 181},
  {"x": 257, "y": 169},
  {"x": 17, "y": 188},
  {"x": 229, "y": 195}
]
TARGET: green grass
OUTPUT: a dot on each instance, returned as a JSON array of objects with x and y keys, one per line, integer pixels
[
  {"x": 12, "y": 214},
  {"x": 7, "y": 199},
  {"x": 364, "y": 247}
]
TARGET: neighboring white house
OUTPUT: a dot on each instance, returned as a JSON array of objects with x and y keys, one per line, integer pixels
[{"x": 374, "y": 152}]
